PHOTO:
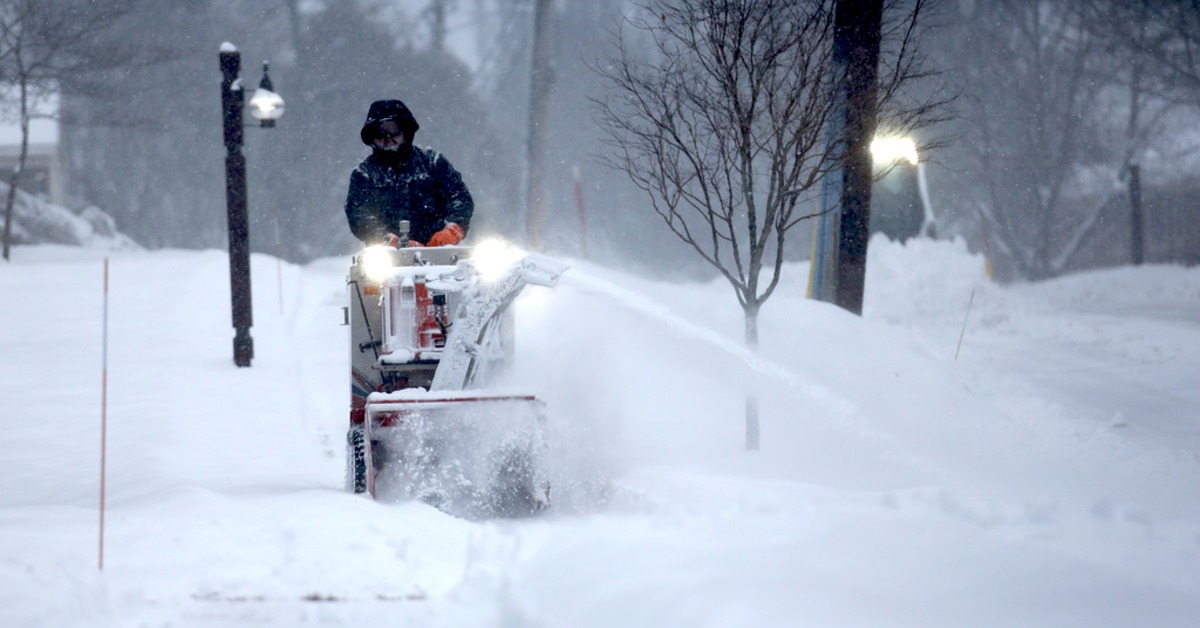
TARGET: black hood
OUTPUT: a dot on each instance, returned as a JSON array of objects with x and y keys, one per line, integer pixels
[{"x": 389, "y": 109}]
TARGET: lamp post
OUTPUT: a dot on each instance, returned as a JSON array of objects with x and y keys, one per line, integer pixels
[
  {"x": 903, "y": 210},
  {"x": 266, "y": 106}
]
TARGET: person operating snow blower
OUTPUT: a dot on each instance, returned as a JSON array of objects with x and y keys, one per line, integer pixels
[
  {"x": 431, "y": 335},
  {"x": 400, "y": 182}
]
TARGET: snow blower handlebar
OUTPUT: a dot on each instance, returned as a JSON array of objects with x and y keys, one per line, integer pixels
[{"x": 398, "y": 240}]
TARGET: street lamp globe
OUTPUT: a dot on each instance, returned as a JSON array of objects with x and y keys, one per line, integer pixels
[
  {"x": 265, "y": 105},
  {"x": 887, "y": 151}
]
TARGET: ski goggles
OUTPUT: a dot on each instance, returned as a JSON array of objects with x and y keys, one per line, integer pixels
[{"x": 387, "y": 129}]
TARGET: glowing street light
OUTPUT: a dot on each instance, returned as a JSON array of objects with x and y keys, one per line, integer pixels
[
  {"x": 887, "y": 151},
  {"x": 265, "y": 105}
]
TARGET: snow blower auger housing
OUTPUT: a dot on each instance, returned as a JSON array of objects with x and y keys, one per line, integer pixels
[{"x": 430, "y": 329}]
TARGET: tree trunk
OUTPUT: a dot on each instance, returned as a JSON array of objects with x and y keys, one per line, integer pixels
[
  {"x": 539, "y": 95},
  {"x": 1136, "y": 236},
  {"x": 750, "y": 311},
  {"x": 10, "y": 200},
  {"x": 1136, "y": 230},
  {"x": 437, "y": 26},
  {"x": 8, "y": 213}
]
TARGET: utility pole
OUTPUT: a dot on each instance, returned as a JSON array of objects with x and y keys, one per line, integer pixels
[
  {"x": 539, "y": 97},
  {"x": 839, "y": 262},
  {"x": 857, "y": 31}
]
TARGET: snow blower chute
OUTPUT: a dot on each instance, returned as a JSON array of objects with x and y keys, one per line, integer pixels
[{"x": 430, "y": 329}]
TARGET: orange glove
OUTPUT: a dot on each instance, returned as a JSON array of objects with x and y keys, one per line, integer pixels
[{"x": 452, "y": 234}]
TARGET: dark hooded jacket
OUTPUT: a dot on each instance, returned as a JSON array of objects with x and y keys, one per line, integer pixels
[{"x": 414, "y": 184}]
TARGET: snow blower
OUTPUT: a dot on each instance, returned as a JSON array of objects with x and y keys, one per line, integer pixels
[{"x": 430, "y": 331}]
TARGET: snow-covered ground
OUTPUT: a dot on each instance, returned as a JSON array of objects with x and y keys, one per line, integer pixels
[{"x": 1049, "y": 475}]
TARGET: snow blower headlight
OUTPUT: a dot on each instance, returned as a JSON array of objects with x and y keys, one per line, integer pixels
[
  {"x": 493, "y": 257},
  {"x": 377, "y": 262}
]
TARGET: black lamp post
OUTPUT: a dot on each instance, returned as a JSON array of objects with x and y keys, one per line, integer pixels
[{"x": 266, "y": 106}]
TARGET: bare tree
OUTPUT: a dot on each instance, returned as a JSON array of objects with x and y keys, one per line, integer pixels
[
  {"x": 1033, "y": 74},
  {"x": 1065, "y": 101},
  {"x": 1140, "y": 41},
  {"x": 41, "y": 45},
  {"x": 724, "y": 125}
]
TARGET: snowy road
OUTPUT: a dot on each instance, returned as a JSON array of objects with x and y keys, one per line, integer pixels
[{"x": 1048, "y": 477}]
